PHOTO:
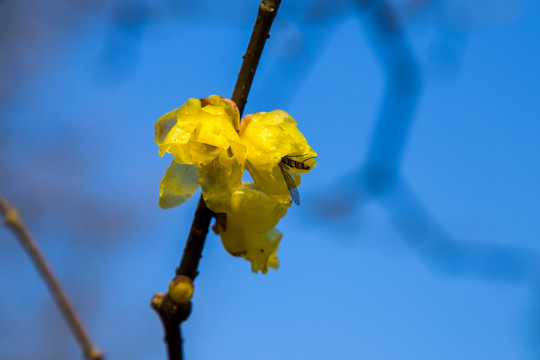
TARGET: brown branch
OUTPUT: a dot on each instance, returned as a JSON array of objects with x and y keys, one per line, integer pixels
[
  {"x": 195, "y": 242},
  {"x": 17, "y": 226},
  {"x": 261, "y": 32},
  {"x": 171, "y": 313}
]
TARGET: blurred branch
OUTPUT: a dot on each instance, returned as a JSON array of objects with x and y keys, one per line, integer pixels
[
  {"x": 403, "y": 86},
  {"x": 171, "y": 313},
  {"x": 444, "y": 254},
  {"x": 380, "y": 177},
  {"x": 13, "y": 221}
]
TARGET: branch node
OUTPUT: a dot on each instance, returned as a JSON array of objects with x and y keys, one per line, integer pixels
[
  {"x": 267, "y": 6},
  {"x": 12, "y": 217},
  {"x": 157, "y": 301},
  {"x": 170, "y": 311}
]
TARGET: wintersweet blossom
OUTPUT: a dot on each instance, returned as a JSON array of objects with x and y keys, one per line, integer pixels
[
  {"x": 248, "y": 228},
  {"x": 202, "y": 136},
  {"x": 277, "y": 153},
  {"x": 211, "y": 149}
]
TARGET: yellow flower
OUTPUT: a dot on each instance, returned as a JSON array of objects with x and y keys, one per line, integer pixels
[
  {"x": 210, "y": 149},
  {"x": 277, "y": 153},
  {"x": 202, "y": 136},
  {"x": 248, "y": 230}
]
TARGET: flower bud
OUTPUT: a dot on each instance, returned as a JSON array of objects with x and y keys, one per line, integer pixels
[{"x": 181, "y": 289}]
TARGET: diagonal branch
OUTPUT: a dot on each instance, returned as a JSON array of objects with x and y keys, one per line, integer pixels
[
  {"x": 261, "y": 31},
  {"x": 172, "y": 314},
  {"x": 17, "y": 226}
]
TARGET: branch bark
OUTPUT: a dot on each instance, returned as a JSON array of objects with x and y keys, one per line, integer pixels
[
  {"x": 171, "y": 313},
  {"x": 261, "y": 31},
  {"x": 15, "y": 223}
]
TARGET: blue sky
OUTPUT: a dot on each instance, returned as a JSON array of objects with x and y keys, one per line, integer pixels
[{"x": 441, "y": 264}]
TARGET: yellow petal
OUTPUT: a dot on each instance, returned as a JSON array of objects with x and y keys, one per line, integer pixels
[
  {"x": 271, "y": 182},
  {"x": 192, "y": 107},
  {"x": 217, "y": 184},
  {"x": 202, "y": 154},
  {"x": 271, "y": 136},
  {"x": 211, "y": 130},
  {"x": 262, "y": 250},
  {"x": 227, "y": 158},
  {"x": 177, "y": 141},
  {"x": 229, "y": 107},
  {"x": 164, "y": 125},
  {"x": 274, "y": 236},
  {"x": 178, "y": 184},
  {"x": 181, "y": 152},
  {"x": 249, "y": 227},
  {"x": 178, "y": 125},
  {"x": 239, "y": 150},
  {"x": 200, "y": 131}
]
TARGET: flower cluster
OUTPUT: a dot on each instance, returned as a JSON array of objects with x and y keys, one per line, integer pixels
[{"x": 211, "y": 149}]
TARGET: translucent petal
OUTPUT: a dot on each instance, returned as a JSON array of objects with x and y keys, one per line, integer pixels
[
  {"x": 164, "y": 125},
  {"x": 271, "y": 136},
  {"x": 178, "y": 125},
  {"x": 217, "y": 184},
  {"x": 179, "y": 151},
  {"x": 191, "y": 107},
  {"x": 227, "y": 158},
  {"x": 202, "y": 154},
  {"x": 239, "y": 150},
  {"x": 249, "y": 228},
  {"x": 274, "y": 236},
  {"x": 272, "y": 183},
  {"x": 181, "y": 132},
  {"x": 200, "y": 130},
  {"x": 229, "y": 106},
  {"x": 202, "y": 133},
  {"x": 261, "y": 248},
  {"x": 262, "y": 144},
  {"x": 211, "y": 131},
  {"x": 178, "y": 184}
]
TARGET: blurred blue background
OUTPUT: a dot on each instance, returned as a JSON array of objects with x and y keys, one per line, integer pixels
[{"x": 417, "y": 237}]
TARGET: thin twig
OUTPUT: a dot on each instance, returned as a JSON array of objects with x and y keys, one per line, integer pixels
[
  {"x": 13, "y": 221},
  {"x": 195, "y": 242},
  {"x": 172, "y": 314},
  {"x": 261, "y": 31}
]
